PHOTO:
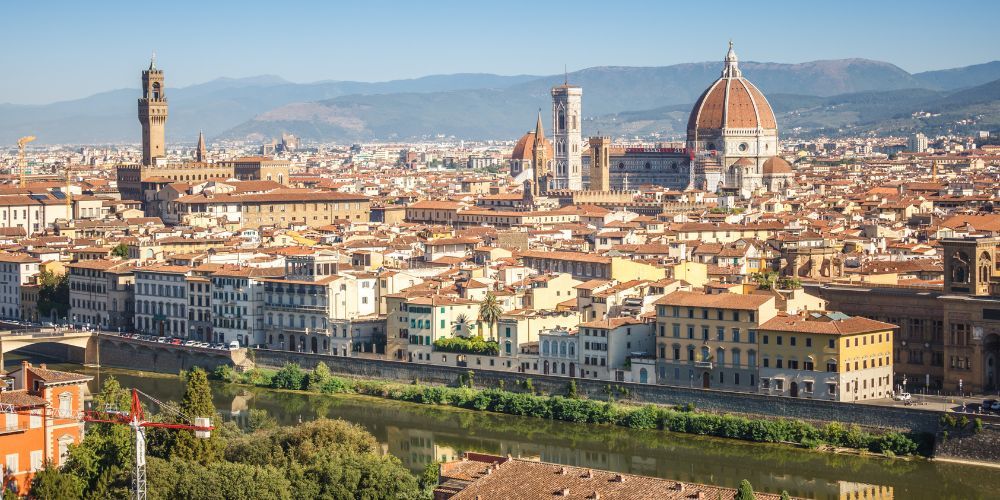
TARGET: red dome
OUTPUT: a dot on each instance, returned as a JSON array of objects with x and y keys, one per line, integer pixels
[{"x": 524, "y": 146}]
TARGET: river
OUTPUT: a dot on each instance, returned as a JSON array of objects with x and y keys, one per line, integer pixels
[{"x": 419, "y": 434}]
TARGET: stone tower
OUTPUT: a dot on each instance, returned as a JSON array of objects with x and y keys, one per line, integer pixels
[
  {"x": 201, "y": 154},
  {"x": 566, "y": 136},
  {"x": 969, "y": 265},
  {"x": 600, "y": 163},
  {"x": 152, "y": 113},
  {"x": 540, "y": 161}
]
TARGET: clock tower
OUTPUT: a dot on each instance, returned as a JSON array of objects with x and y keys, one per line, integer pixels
[{"x": 152, "y": 113}]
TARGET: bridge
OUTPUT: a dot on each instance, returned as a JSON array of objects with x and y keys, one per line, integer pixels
[
  {"x": 96, "y": 348},
  {"x": 12, "y": 340}
]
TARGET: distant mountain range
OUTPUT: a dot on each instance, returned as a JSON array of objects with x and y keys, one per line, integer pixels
[{"x": 831, "y": 97}]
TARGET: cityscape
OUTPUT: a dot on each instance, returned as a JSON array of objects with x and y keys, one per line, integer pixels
[{"x": 647, "y": 275}]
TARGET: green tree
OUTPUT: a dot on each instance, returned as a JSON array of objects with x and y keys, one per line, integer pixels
[
  {"x": 289, "y": 376},
  {"x": 745, "y": 491},
  {"x": 784, "y": 495},
  {"x": 197, "y": 402},
  {"x": 260, "y": 420},
  {"x": 490, "y": 311},
  {"x": 52, "y": 484},
  {"x": 428, "y": 480},
  {"x": 53, "y": 294},
  {"x": 318, "y": 377},
  {"x": 766, "y": 280},
  {"x": 120, "y": 250},
  {"x": 103, "y": 461}
]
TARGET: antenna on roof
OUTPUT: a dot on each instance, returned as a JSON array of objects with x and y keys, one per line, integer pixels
[{"x": 565, "y": 75}]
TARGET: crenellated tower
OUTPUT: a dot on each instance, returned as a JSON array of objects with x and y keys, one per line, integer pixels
[{"x": 152, "y": 113}]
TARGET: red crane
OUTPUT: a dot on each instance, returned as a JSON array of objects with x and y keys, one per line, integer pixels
[{"x": 136, "y": 419}]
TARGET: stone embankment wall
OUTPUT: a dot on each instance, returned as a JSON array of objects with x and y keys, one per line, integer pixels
[
  {"x": 139, "y": 355},
  {"x": 879, "y": 417}
]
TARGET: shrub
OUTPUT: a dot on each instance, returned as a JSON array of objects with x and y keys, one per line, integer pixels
[
  {"x": 977, "y": 425},
  {"x": 470, "y": 345},
  {"x": 289, "y": 376},
  {"x": 571, "y": 390},
  {"x": 642, "y": 418}
]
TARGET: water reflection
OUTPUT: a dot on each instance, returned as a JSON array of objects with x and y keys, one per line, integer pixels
[{"x": 420, "y": 434}]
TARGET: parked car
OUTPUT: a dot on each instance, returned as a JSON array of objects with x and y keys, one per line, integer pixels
[
  {"x": 234, "y": 345},
  {"x": 991, "y": 405},
  {"x": 901, "y": 396}
]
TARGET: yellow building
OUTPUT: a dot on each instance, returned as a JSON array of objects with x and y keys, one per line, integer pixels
[
  {"x": 710, "y": 340},
  {"x": 586, "y": 266},
  {"x": 826, "y": 356}
]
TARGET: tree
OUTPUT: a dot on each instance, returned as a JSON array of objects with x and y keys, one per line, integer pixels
[
  {"x": 766, "y": 280},
  {"x": 490, "y": 311},
  {"x": 53, "y": 294},
  {"x": 197, "y": 402},
  {"x": 745, "y": 491},
  {"x": 318, "y": 377},
  {"x": 289, "y": 376},
  {"x": 784, "y": 495},
  {"x": 52, "y": 484},
  {"x": 462, "y": 326},
  {"x": 428, "y": 480},
  {"x": 120, "y": 250}
]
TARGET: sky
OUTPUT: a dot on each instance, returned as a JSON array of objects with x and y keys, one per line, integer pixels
[{"x": 65, "y": 49}]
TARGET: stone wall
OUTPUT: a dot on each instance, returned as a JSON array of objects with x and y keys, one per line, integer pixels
[
  {"x": 138, "y": 355},
  {"x": 878, "y": 417}
]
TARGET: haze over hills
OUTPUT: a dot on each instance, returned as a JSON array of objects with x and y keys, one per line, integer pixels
[{"x": 833, "y": 97}]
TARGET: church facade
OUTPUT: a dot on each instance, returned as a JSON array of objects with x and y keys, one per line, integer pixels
[{"x": 731, "y": 146}]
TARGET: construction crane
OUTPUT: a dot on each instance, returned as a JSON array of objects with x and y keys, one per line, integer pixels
[
  {"x": 21, "y": 164},
  {"x": 136, "y": 419}
]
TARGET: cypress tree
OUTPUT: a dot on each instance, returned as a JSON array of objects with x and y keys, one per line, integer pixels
[{"x": 745, "y": 491}]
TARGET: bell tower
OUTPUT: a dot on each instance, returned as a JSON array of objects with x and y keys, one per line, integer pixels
[{"x": 152, "y": 113}]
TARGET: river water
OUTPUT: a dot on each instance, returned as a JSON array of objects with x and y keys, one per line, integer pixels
[{"x": 419, "y": 434}]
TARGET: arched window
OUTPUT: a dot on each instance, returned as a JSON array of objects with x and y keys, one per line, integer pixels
[
  {"x": 545, "y": 347},
  {"x": 562, "y": 348},
  {"x": 156, "y": 90},
  {"x": 720, "y": 356},
  {"x": 752, "y": 358},
  {"x": 704, "y": 353},
  {"x": 572, "y": 349},
  {"x": 736, "y": 357},
  {"x": 562, "y": 120}
]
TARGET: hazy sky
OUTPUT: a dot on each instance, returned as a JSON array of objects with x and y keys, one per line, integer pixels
[{"x": 57, "y": 50}]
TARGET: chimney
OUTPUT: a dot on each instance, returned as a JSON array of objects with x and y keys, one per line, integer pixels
[
  {"x": 42, "y": 366},
  {"x": 619, "y": 478},
  {"x": 679, "y": 486},
  {"x": 589, "y": 474},
  {"x": 563, "y": 492},
  {"x": 700, "y": 495},
  {"x": 24, "y": 374},
  {"x": 595, "y": 495}
]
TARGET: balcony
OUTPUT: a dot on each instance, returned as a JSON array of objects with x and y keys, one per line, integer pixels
[
  {"x": 707, "y": 365},
  {"x": 296, "y": 308}
]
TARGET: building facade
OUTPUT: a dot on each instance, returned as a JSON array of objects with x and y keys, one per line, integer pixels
[{"x": 16, "y": 270}]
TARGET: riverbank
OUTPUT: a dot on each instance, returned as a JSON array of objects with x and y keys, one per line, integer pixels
[
  {"x": 422, "y": 433},
  {"x": 526, "y": 401}
]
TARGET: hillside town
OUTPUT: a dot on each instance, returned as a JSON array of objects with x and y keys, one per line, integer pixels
[{"x": 836, "y": 269}]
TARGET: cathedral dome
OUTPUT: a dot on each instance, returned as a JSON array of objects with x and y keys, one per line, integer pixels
[
  {"x": 524, "y": 146},
  {"x": 732, "y": 102},
  {"x": 777, "y": 165}
]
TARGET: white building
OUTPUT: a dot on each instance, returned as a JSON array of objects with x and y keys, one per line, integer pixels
[
  {"x": 238, "y": 304},
  {"x": 16, "y": 269},
  {"x": 161, "y": 300}
]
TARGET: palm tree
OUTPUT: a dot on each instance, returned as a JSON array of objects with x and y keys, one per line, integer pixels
[
  {"x": 462, "y": 326},
  {"x": 490, "y": 311}
]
